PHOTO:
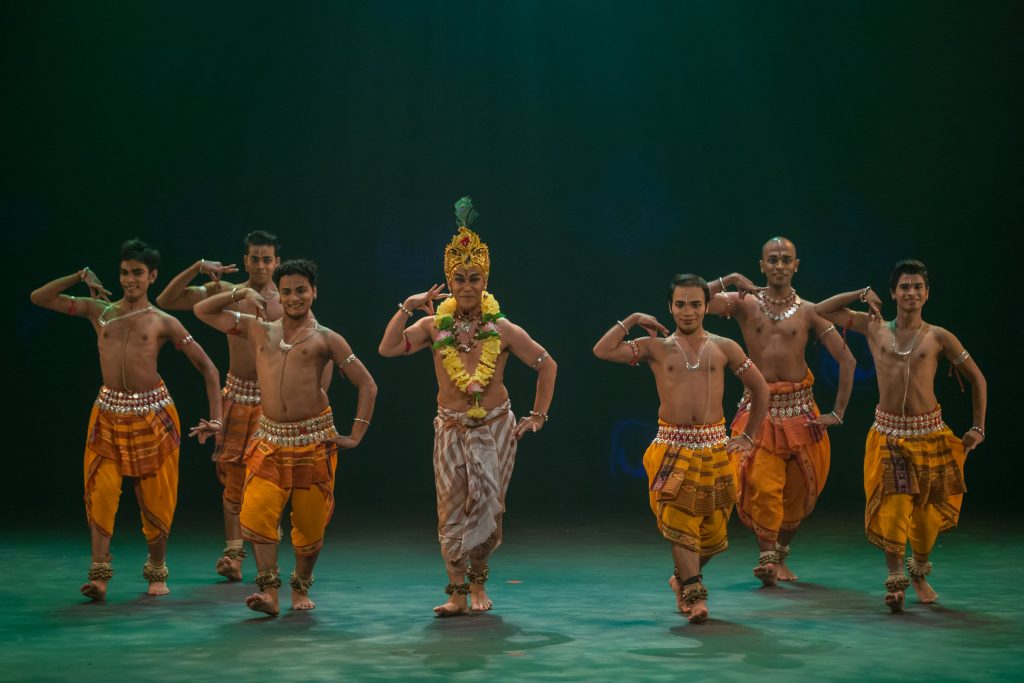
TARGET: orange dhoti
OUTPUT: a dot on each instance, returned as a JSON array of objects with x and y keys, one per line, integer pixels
[
  {"x": 132, "y": 435},
  {"x": 913, "y": 481},
  {"x": 240, "y": 400},
  {"x": 692, "y": 491},
  {"x": 290, "y": 460},
  {"x": 780, "y": 480}
]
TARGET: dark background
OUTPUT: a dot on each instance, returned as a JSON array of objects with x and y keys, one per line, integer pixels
[{"x": 606, "y": 145}]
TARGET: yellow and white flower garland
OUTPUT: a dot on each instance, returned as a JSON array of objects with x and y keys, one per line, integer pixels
[{"x": 474, "y": 383}]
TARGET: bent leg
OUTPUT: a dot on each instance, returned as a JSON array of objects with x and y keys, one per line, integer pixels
[
  {"x": 311, "y": 510},
  {"x": 157, "y": 494},
  {"x": 102, "y": 496},
  {"x": 262, "y": 505}
]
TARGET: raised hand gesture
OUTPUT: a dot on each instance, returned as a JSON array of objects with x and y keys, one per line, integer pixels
[
  {"x": 96, "y": 288},
  {"x": 216, "y": 270},
  {"x": 425, "y": 300}
]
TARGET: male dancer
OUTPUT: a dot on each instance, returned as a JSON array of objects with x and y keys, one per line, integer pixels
[
  {"x": 241, "y": 395},
  {"x": 692, "y": 490},
  {"x": 133, "y": 429},
  {"x": 913, "y": 464},
  {"x": 780, "y": 482},
  {"x": 475, "y": 432},
  {"x": 294, "y": 452}
]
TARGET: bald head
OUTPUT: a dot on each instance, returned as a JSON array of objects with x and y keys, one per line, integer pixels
[{"x": 778, "y": 244}]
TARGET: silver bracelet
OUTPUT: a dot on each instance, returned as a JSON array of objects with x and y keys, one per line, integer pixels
[
  {"x": 540, "y": 360},
  {"x": 348, "y": 360},
  {"x": 977, "y": 429},
  {"x": 836, "y": 416},
  {"x": 747, "y": 437},
  {"x": 721, "y": 282},
  {"x": 961, "y": 358},
  {"x": 864, "y": 294},
  {"x": 405, "y": 310},
  {"x": 82, "y": 273},
  {"x": 202, "y": 266},
  {"x": 359, "y": 419},
  {"x": 624, "y": 328},
  {"x": 217, "y": 422}
]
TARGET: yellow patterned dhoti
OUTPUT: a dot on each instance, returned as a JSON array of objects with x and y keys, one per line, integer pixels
[
  {"x": 779, "y": 482},
  {"x": 290, "y": 460},
  {"x": 240, "y": 401},
  {"x": 692, "y": 491},
  {"x": 913, "y": 481},
  {"x": 133, "y": 434}
]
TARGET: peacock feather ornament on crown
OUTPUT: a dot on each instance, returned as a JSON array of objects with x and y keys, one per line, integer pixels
[{"x": 467, "y": 251}]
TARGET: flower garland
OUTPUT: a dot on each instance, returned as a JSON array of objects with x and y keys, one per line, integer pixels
[{"x": 488, "y": 332}]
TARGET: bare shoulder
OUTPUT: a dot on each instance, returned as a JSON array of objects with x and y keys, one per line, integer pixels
[{"x": 729, "y": 347}]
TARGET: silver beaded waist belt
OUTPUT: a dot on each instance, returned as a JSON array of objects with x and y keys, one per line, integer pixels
[
  {"x": 695, "y": 438},
  {"x": 134, "y": 403},
  {"x": 246, "y": 391},
  {"x": 301, "y": 433},
  {"x": 891, "y": 424},
  {"x": 792, "y": 404}
]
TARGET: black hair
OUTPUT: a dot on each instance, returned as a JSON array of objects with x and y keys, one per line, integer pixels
[
  {"x": 297, "y": 266},
  {"x": 689, "y": 280},
  {"x": 262, "y": 238},
  {"x": 907, "y": 267},
  {"x": 137, "y": 250}
]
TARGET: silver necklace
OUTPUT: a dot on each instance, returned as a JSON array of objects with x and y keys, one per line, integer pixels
[
  {"x": 762, "y": 301},
  {"x": 103, "y": 323},
  {"x": 904, "y": 354},
  {"x": 693, "y": 367},
  {"x": 288, "y": 347}
]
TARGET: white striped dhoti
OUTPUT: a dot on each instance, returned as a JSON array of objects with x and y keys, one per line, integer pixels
[{"x": 473, "y": 461}]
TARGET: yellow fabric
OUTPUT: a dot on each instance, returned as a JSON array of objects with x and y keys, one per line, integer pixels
[
  {"x": 780, "y": 481},
  {"x": 263, "y": 502},
  {"x": 693, "y": 511},
  {"x": 914, "y": 488},
  {"x": 156, "y": 492},
  {"x": 138, "y": 443}
]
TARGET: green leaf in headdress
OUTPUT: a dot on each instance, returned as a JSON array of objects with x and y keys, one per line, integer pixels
[{"x": 465, "y": 214}]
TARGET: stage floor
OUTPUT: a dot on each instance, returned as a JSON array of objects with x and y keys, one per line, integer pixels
[{"x": 580, "y": 602}]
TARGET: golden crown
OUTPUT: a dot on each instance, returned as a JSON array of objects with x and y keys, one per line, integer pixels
[{"x": 466, "y": 250}]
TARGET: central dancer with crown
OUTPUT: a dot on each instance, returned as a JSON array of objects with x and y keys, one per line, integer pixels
[{"x": 475, "y": 432}]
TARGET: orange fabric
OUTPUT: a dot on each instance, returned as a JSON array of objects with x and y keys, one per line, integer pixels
[
  {"x": 263, "y": 502},
  {"x": 232, "y": 477},
  {"x": 692, "y": 509},
  {"x": 139, "y": 444},
  {"x": 780, "y": 481},
  {"x": 157, "y": 491},
  {"x": 290, "y": 467},
  {"x": 914, "y": 488},
  {"x": 240, "y": 421}
]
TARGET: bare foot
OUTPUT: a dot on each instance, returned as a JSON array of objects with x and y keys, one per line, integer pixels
[
  {"x": 895, "y": 601},
  {"x": 784, "y": 573},
  {"x": 673, "y": 583},
  {"x": 767, "y": 573},
  {"x": 263, "y": 602},
  {"x": 230, "y": 569},
  {"x": 480, "y": 601},
  {"x": 158, "y": 588},
  {"x": 95, "y": 590},
  {"x": 925, "y": 593},
  {"x": 455, "y": 606},
  {"x": 698, "y": 612},
  {"x": 301, "y": 600}
]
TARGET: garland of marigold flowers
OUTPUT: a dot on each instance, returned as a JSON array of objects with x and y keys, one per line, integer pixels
[{"x": 473, "y": 384}]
